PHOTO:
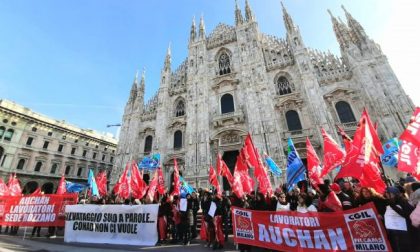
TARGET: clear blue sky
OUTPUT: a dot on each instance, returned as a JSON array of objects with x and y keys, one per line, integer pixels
[{"x": 76, "y": 60}]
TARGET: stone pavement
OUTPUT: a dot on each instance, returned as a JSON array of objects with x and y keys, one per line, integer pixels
[{"x": 43, "y": 244}]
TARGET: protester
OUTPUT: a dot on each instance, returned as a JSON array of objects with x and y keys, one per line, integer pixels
[
  {"x": 305, "y": 204},
  {"x": 329, "y": 202},
  {"x": 370, "y": 195},
  {"x": 282, "y": 204},
  {"x": 345, "y": 199}
]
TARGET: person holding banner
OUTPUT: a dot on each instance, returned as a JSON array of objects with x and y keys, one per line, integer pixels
[
  {"x": 163, "y": 213},
  {"x": 305, "y": 204},
  {"x": 370, "y": 195},
  {"x": 397, "y": 221}
]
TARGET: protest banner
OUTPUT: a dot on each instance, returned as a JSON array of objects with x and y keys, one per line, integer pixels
[
  {"x": 40, "y": 210},
  {"x": 357, "y": 229},
  {"x": 112, "y": 224}
]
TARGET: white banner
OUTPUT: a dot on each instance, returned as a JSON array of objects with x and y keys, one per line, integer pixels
[{"x": 115, "y": 224}]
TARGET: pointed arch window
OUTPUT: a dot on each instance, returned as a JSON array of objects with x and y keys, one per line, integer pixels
[
  {"x": 54, "y": 168},
  {"x": 1, "y": 152},
  {"x": 2, "y": 130},
  {"x": 224, "y": 64},
  {"x": 284, "y": 86},
  {"x": 344, "y": 111},
  {"x": 20, "y": 164},
  {"x": 180, "y": 108},
  {"x": 293, "y": 121},
  {"x": 178, "y": 139},
  {"x": 38, "y": 166},
  {"x": 9, "y": 134},
  {"x": 148, "y": 145},
  {"x": 227, "y": 104},
  {"x": 68, "y": 169}
]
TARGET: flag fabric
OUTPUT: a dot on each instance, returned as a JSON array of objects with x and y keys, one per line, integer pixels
[
  {"x": 248, "y": 152},
  {"x": 101, "y": 181},
  {"x": 346, "y": 139},
  {"x": 260, "y": 172},
  {"x": 214, "y": 181},
  {"x": 295, "y": 169},
  {"x": 123, "y": 187},
  {"x": 314, "y": 165},
  {"x": 93, "y": 187},
  {"x": 237, "y": 187},
  {"x": 333, "y": 155},
  {"x": 272, "y": 165},
  {"x": 223, "y": 170},
  {"x": 14, "y": 186},
  {"x": 150, "y": 163},
  {"x": 412, "y": 132},
  {"x": 390, "y": 156},
  {"x": 161, "y": 182},
  {"x": 138, "y": 186},
  {"x": 409, "y": 158},
  {"x": 177, "y": 182},
  {"x": 362, "y": 159},
  {"x": 152, "y": 187},
  {"x": 4, "y": 190},
  {"x": 376, "y": 141},
  {"x": 37, "y": 192},
  {"x": 61, "y": 186},
  {"x": 241, "y": 170},
  {"x": 74, "y": 187},
  {"x": 185, "y": 188}
]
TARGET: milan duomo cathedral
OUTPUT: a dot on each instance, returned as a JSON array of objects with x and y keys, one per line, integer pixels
[{"x": 237, "y": 80}]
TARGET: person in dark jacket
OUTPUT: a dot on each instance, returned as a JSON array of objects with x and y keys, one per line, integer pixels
[
  {"x": 345, "y": 199},
  {"x": 367, "y": 195},
  {"x": 226, "y": 217},
  {"x": 401, "y": 240},
  {"x": 195, "y": 208}
]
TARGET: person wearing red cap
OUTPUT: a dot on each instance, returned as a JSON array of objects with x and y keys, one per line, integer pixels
[{"x": 345, "y": 200}]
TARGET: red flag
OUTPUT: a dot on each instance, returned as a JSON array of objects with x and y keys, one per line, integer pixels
[
  {"x": 177, "y": 182},
  {"x": 14, "y": 186},
  {"x": 361, "y": 161},
  {"x": 122, "y": 188},
  {"x": 412, "y": 132},
  {"x": 37, "y": 192},
  {"x": 61, "y": 186},
  {"x": 237, "y": 187},
  {"x": 152, "y": 187},
  {"x": 4, "y": 190},
  {"x": 346, "y": 139},
  {"x": 264, "y": 183},
  {"x": 374, "y": 134},
  {"x": 409, "y": 158},
  {"x": 161, "y": 182},
  {"x": 223, "y": 170},
  {"x": 101, "y": 182},
  {"x": 248, "y": 152},
  {"x": 138, "y": 186},
  {"x": 333, "y": 154},
  {"x": 314, "y": 165},
  {"x": 213, "y": 181},
  {"x": 246, "y": 180}
]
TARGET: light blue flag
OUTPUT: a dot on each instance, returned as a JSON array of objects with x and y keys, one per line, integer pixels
[
  {"x": 150, "y": 163},
  {"x": 390, "y": 156},
  {"x": 185, "y": 187},
  {"x": 295, "y": 169},
  {"x": 273, "y": 167},
  {"x": 93, "y": 187},
  {"x": 74, "y": 187}
]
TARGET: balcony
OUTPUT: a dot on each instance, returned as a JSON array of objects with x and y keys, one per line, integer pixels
[
  {"x": 298, "y": 135},
  {"x": 228, "y": 119}
]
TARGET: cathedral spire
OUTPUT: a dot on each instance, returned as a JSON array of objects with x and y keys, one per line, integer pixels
[
  {"x": 193, "y": 33},
  {"x": 238, "y": 14},
  {"x": 248, "y": 12},
  {"x": 142, "y": 81},
  {"x": 288, "y": 21},
  {"x": 202, "y": 29},
  {"x": 356, "y": 29},
  {"x": 167, "y": 65},
  {"x": 341, "y": 31},
  {"x": 133, "y": 92}
]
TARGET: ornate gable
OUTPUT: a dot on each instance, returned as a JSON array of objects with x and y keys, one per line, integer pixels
[{"x": 221, "y": 35}]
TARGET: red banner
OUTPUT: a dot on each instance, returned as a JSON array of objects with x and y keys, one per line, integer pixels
[
  {"x": 40, "y": 210},
  {"x": 357, "y": 229}
]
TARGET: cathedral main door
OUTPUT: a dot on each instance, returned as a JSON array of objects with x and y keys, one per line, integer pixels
[{"x": 230, "y": 159}]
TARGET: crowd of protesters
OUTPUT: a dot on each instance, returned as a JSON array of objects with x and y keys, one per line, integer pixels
[{"x": 176, "y": 226}]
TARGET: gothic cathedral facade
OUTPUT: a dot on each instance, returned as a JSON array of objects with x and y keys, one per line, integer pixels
[{"x": 238, "y": 80}]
